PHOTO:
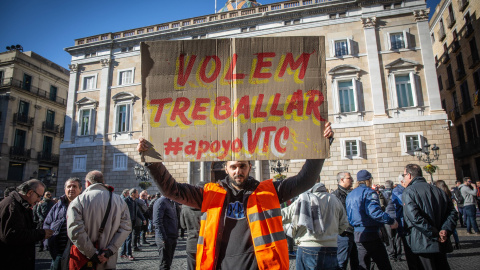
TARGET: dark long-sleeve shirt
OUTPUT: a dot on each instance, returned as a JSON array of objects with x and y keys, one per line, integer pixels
[
  {"x": 235, "y": 249},
  {"x": 165, "y": 219}
]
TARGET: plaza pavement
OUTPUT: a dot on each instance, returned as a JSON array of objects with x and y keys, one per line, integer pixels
[{"x": 467, "y": 258}]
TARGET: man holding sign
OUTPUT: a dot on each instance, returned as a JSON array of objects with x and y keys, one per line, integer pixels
[{"x": 241, "y": 225}]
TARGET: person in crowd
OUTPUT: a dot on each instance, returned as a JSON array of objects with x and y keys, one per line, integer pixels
[
  {"x": 18, "y": 234},
  {"x": 6, "y": 192},
  {"x": 84, "y": 217},
  {"x": 443, "y": 186},
  {"x": 143, "y": 203},
  {"x": 190, "y": 220},
  {"x": 166, "y": 230},
  {"x": 42, "y": 211},
  {"x": 317, "y": 218},
  {"x": 478, "y": 194},
  {"x": 347, "y": 249},
  {"x": 179, "y": 212},
  {"x": 134, "y": 210},
  {"x": 57, "y": 221},
  {"x": 457, "y": 196},
  {"x": 429, "y": 218},
  {"x": 125, "y": 193},
  {"x": 366, "y": 216},
  {"x": 240, "y": 243},
  {"x": 469, "y": 193},
  {"x": 394, "y": 247}
]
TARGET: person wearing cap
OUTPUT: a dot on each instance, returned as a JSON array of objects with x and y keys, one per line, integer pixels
[
  {"x": 317, "y": 218},
  {"x": 366, "y": 216}
]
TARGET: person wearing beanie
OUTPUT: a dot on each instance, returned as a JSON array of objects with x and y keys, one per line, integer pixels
[{"x": 366, "y": 216}]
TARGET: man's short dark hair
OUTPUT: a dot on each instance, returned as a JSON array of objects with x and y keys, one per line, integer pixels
[
  {"x": 465, "y": 179},
  {"x": 389, "y": 184},
  {"x": 31, "y": 184},
  {"x": 73, "y": 179},
  {"x": 458, "y": 181},
  {"x": 414, "y": 170},
  {"x": 132, "y": 191},
  {"x": 94, "y": 177}
]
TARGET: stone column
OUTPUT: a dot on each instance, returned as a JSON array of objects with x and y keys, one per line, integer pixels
[
  {"x": 374, "y": 71},
  {"x": 70, "y": 113},
  {"x": 433, "y": 92},
  {"x": 102, "y": 125}
]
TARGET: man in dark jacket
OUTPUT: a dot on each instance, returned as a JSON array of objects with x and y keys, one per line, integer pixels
[
  {"x": 190, "y": 221},
  {"x": 347, "y": 250},
  {"x": 57, "y": 221},
  {"x": 166, "y": 230},
  {"x": 42, "y": 211},
  {"x": 135, "y": 212},
  {"x": 430, "y": 219},
  {"x": 17, "y": 232},
  {"x": 394, "y": 247},
  {"x": 366, "y": 216}
]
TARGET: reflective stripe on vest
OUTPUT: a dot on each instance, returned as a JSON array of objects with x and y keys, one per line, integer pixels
[{"x": 264, "y": 219}]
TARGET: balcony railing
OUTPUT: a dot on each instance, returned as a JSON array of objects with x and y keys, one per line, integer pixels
[
  {"x": 48, "y": 158},
  {"x": 50, "y": 127},
  {"x": 455, "y": 46},
  {"x": 449, "y": 84},
  {"x": 22, "y": 119},
  {"x": 450, "y": 21},
  {"x": 467, "y": 149},
  {"x": 35, "y": 90},
  {"x": 441, "y": 34},
  {"x": 460, "y": 74},
  {"x": 473, "y": 60},
  {"x": 19, "y": 153},
  {"x": 462, "y": 4},
  {"x": 465, "y": 107}
]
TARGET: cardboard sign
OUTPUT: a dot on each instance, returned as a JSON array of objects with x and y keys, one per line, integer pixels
[{"x": 235, "y": 99}]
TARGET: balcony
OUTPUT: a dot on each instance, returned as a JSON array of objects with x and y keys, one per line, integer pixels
[
  {"x": 449, "y": 84},
  {"x": 45, "y": 157},
  {"x": 445, "y": 58},
  {"x": 467, "y": 149},
  {"x": 441, "y": 34},
  {"x": 465, "y": 107},
  {"x": 10, "y": 82},
  {"x": 455, "y": 46},
  {"x": 473, "y": 60},
  {"x": 462, "y": 4},
  {"x": 50, "y": 127},
  {"x": 460, "y": 74},
  {"x": 22, "y": 119},
  {"x": 19, "y": 153},
  {"x": 450, "y": 21}
]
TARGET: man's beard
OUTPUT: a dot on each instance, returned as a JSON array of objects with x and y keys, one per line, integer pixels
[{"x": 234, "y": 183}]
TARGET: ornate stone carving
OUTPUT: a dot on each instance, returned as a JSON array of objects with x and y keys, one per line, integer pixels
[
  {"x": 73, "y": 67},
  {"x": 105, "y": 62},
  {"x": 421, "y": 14},
  {"x": 38, "y": 107},
  {"x": 369, "y": 22}
]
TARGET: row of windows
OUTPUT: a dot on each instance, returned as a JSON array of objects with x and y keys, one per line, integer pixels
[
  {"x": 125, "y": 77},
  {"x": 26, "y": 84},
  {"x": 24, "y": 108},
  {"x": 352, "y": 148},
  {"x": 120, "y": 162}
]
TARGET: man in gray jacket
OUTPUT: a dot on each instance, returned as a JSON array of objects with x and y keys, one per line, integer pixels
[
  {"x": 85, "y": 215},
  {"x": 469, "y": 193}
]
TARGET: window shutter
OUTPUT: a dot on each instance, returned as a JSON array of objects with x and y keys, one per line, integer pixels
[
  {"x": 336, "y": 98},
  {"x": 355, "y": 94},
  {"x": 406, "y": 38},
  {"x": 413, "y": 81},
  {"x": 350, "y": 46},
  {"x": 393, "y": 90},
  {"x": 388, "y": 41},
  {"x": 332, "y": 48}
]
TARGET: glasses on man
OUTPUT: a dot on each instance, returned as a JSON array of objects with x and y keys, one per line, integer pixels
[{"x": 37, "y": 194}]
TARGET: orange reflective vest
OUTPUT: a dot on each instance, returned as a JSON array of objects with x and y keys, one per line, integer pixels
[{"x": 264, "y": 219}]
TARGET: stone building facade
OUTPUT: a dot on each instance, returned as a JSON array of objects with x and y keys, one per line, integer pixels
[
  {"x": 454, "y": 33},
  {"x": 33, "y": 99},
  {"x": 382, "y": 88}
]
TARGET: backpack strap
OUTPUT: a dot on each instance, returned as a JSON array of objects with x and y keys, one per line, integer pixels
[{"x": 104, "y": 221}]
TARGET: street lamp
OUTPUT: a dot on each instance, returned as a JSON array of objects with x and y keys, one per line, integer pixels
[
  {"x": 424, "y": 156},
  {"x": 140, "y": 173},
  {"x": 279, "y": 166}
]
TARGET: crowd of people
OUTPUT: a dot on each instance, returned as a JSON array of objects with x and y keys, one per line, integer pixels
[{"x": 239, "y": 223}]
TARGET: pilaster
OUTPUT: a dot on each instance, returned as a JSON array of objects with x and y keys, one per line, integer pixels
[
  {"x": 378, "y": 100},
  {"x": 70, "y": 113},
  {"x": 102, "y": 124},
  {"x": 433, "y": 92}
]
